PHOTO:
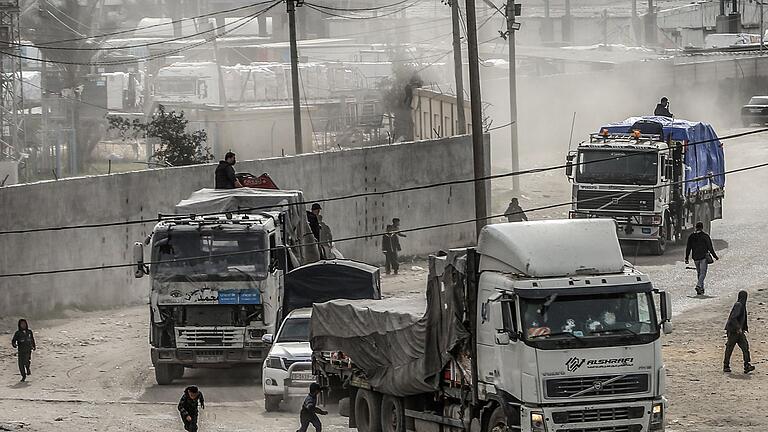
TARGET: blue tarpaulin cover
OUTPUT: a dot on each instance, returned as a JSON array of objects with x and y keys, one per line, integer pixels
[{"x": 703, "y": 156}]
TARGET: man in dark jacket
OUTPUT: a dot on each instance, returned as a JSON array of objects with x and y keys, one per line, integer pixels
[
  {"x": 736, "y": 328},
  {"x": 390, "y": 245},
  {"x": 314, "y": 222},
  {"x": 24, "y": 340},
  {"x": 662, "y": 108},
  {"x": 188, "y": 407},
  {"x": 225, "y": 173},
  {"x": 310, "y": 410},
  {"x": 514, "y": 212},
  {"x": 700, "y": 246}
]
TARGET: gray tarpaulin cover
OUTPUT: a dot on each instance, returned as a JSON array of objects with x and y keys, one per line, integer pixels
[
  {"x": 402, "y": 345},
  {"x": 252, "y": 200}
]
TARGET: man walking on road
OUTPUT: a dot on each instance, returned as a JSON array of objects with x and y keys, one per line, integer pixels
[
  {"x": 737, "y": 328},
  {"x": 390, "y": 245},
  {"x": 188, "y": 407},
  {"x": 514, "y": 212},
  {"x": 310, "y": 410},
  {"x": 700, "y": 248},
  {"x": 24, "y": 340}
]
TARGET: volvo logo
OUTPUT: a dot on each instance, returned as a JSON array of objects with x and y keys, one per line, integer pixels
[
  {"x": 614, "y": 201},
  {"x": 598, "y": 385}
]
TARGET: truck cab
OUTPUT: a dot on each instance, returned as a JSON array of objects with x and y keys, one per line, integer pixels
[
  {"x": 568, "y": 339},
  {"x": 216, "y": 272},
  {"x": 654, "y": 176}
]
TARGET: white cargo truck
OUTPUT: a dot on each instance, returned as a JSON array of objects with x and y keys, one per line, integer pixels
[{"x": 542, "y": 327}]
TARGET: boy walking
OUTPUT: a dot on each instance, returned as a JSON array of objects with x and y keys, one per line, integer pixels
[
  {"x": 24, "y": 340},
  {"x": 188, "y": 407},
  {"x": 310, "y": 410},
  {"x": 736, "y": 328}
]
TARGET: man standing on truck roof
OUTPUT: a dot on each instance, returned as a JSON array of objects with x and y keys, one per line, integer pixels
[
  {"x": 390, "y": 245},
  {"x": 225, "y": 173},
  {"x": 515, "y": 213},
  {"x": 700, "y": 246},
  {"x": 662, "y": 108},
  {"x": 310, "y": 410},
  {"x": 737, "y": 328},
  {"x": 314, "y": 221},
  {"x": 188, "y": 407}
]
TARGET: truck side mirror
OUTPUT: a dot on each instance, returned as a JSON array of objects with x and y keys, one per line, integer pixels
[
  {"x": 497, "y": 319},
  {"x": 666, "y": 306},
  {"x": 267, "y": 338},
  {"x": 667, "y": 327},
  {"x": 569, "y": 165},
  {"x": 138, "y": 258}
]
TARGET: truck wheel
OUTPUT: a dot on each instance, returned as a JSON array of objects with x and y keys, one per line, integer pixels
[
  {"x": 271, "y": 403},
  {"x": 498, "y": 421},
  {"x": 392, "y": 414},
  {"x": 164, "y": 373},
  {"x": 368, "y": 411}
]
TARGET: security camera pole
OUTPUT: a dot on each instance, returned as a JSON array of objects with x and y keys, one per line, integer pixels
[
  {"x": 291, "y": 5},
  {"x": 511, "y": 27}
]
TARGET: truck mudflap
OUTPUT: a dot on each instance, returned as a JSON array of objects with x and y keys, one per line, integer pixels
[
  {"x": 625, "y": 416},
  {"x": 208, "y": 357}
]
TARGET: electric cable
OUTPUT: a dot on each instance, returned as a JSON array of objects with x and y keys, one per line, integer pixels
[
  {"x": 44, "y": 45},
  {"x": 415, "y": 2},
  {"x": 357, "y": 9},
  {"x": 368, "y": 194},
  {"x": 618, "y": 194}
]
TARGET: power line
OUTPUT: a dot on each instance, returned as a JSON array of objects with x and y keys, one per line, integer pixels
[
  {"x": 44, "y": 45},
  {"x": 248, "y": 19},
  {"x": 378, "y": 234},
  {"x": 381, "y": 193},
  {"x": 358, "y": 9},
  {"x": 361, "y": 17}
]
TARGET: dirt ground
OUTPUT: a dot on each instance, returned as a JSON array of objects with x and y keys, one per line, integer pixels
[{"x": 702, "y": 397}]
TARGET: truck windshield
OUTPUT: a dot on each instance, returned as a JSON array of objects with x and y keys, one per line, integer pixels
[
  {"x": 618, "y": 167},
  {"x": 211, "y": 256},
  {"x": 294, "y": 330},
  {"x": 586, "y": 319}
]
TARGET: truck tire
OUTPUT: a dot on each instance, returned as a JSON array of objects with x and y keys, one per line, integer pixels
[
  {"x": 498, "y": 421},
  {"x": 368, "y": 411},
  {"x": 271, "y": 403},
  {"x": 164, "y": 373},
  {"x": 392, "y": 414},
  {"x": 660, "y": 246}
]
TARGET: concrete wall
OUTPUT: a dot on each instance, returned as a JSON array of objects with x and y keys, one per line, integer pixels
[{"x": 137, "y": 195}]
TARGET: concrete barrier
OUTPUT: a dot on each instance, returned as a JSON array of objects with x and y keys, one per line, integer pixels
[{"x": 144, "y": 194}]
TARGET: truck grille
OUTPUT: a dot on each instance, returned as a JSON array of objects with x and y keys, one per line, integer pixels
[
  {"x": 614, "y": 200},
  {"x": 566, "y": 387},
  {"x": 595, "y": 415},
  {"x": 209, "y": 337},
  {"x": 622, "y": 428}
]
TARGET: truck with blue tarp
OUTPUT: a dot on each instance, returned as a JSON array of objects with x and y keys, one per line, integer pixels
[
  {"x": 217, "y": 273},
  {"x": 656, "y": 176}
]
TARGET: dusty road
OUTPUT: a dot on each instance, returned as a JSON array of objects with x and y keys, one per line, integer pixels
[{"x": 92, "y": 371}]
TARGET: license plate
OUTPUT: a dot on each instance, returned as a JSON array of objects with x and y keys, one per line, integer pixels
[
  {"x": 208, "y": 359},
  {"x": 302, "y": 376}
]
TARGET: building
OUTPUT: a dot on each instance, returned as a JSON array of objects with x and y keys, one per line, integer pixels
[{"x": 435, "y": 115}]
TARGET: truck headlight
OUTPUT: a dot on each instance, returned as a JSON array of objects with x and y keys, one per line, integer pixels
[
  {"x": 275, "y": 363},
  {"x": 657, "y": 417},
  {"x": 537, "y": 422}
]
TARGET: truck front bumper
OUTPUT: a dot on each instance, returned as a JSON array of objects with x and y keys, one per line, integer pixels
[
  {"x": 628, "y": 227},
  {"x": 625, "y": 416},
  {"x": 209, "y": 357}
]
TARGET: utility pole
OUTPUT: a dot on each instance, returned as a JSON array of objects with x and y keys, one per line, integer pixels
[
  {"x": 567, "y": 29},
  {"x": 299, "y": 145},
  {"x": 478, "y": 150},
  {"x": 511, "y": 27},
  {"x": 650, "y": 25},
  {"x": 762, "y": 30},
  {"x": 223, "y": 132},
  {"x": 457, "y": 67}
]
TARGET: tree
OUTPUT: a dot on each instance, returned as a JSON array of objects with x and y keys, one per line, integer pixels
[{"x": 177, "y": 146}]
